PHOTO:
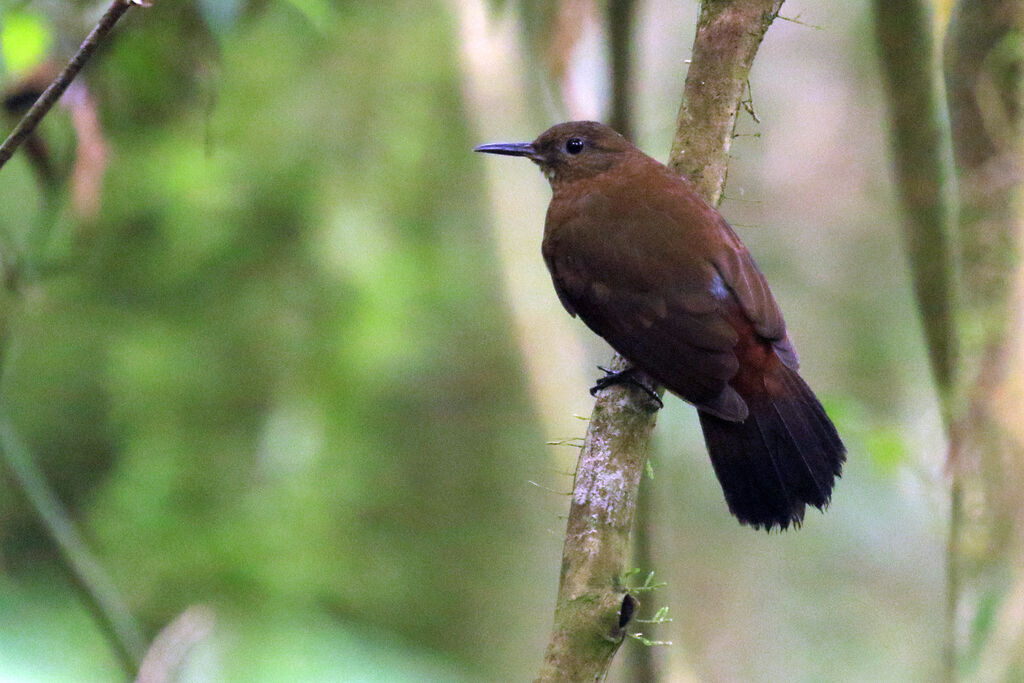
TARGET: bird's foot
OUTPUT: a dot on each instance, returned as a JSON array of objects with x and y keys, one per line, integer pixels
[{"x": 627, "y": 376}]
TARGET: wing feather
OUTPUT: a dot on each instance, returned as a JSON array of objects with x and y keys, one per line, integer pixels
[
  {"x": 657, "y": 290},
  {"x": 672, "y": 330}
]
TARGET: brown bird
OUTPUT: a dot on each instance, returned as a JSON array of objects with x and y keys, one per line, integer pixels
[{"x": 646, "y": 263}]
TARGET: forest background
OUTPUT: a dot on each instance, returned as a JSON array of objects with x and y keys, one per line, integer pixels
[{"x": 296, "y": 361}]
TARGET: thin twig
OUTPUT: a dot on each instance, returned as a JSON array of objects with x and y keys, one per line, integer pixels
[
  {"x": 796, "y": 20},
  {"x": 50, "y": 96},
  {"x": 88, "y": 575}
]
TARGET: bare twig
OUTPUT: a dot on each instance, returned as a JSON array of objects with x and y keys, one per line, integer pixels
[
  {"x": 50, "y": 96},
  {"x": 87, "y": 575},
  {"x": 95, "y": 587}
]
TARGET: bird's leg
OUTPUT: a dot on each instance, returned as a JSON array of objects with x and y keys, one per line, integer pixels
[{"x": 627, "y": 376}]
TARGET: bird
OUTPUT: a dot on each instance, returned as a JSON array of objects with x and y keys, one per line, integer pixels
[{"x": 645, "y": 262}]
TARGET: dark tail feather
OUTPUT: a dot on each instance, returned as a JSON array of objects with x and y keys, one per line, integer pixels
[{"x": 784, "y": 456}]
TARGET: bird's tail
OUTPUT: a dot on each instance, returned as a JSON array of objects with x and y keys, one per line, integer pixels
[{"x": 784, "y": 456}]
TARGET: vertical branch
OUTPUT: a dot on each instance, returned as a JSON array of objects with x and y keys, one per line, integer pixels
[
  {"x": 494, "y": 89},
  {"x": 88, "y": 576},
  {"x": 593, "y": 608},
  {"x": 728, "y": 35},
  {"x": 984, "y": 72},
  {"x": 983, "y": 86},
  {"x": 922, "y": 166},
  {"x": 983, "y": 69},
  {"x": 620, "y": 19},
  {"x": 923, "y": 172}
]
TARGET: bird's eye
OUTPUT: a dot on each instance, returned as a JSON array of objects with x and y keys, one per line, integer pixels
[{"x": 574, "y": 145}]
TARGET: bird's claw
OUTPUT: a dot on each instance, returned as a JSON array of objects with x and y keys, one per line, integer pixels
[{"x": 626, "y": 376}]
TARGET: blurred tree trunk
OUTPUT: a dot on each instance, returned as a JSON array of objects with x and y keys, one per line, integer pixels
[
  {"x": 982, "y": 386},
  {"x": 984, "y": 66},
  {"x": 920, "y": 140},
  {"x": 621, "y": 15},
  {"x": 494, "y": 85}
]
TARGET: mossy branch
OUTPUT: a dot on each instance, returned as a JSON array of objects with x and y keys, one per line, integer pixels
[
  {"x": 593, "y": 607},
  {"x": 728, "y": 35}
]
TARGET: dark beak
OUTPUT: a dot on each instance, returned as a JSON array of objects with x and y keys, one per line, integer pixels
[{"x": 511, "y": 149}]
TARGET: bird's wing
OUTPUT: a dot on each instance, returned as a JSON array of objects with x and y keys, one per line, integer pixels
[
  {"x": 661, "y": 314},
  {"x": 747, "y": 283},
  {"x": 661, "y": 285}
]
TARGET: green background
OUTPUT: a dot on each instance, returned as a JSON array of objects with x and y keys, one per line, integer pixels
[{"x": 277, "y": 374}]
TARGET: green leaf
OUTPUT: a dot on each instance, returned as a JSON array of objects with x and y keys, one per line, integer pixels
[
  {"x": 25, "y": 41},
  {"x": 648, "y": 642}
]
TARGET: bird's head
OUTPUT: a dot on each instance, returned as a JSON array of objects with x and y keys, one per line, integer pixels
[{"x": 569, "y": 151}]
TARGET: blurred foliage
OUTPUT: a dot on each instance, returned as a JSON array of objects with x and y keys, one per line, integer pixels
[
  {"x": 265, "y": 378},
  {"x": 275, "y": 374},
  {"x": 25, "y": 41}
]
